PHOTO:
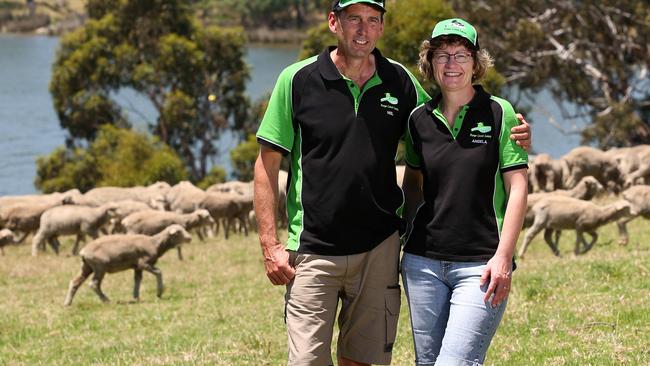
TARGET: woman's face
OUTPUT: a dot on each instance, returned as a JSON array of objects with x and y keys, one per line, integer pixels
[{"x": 453, "y": 66}]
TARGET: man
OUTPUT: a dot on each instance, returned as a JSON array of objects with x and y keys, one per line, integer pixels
[{"x": 340, "y": 116}]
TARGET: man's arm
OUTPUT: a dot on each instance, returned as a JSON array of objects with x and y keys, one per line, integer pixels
[
  {"x": 276, "y": 258},
  {"x": 522, "y": 134}
]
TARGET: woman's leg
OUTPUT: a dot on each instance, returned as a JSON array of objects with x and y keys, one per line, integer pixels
[
  {"x": 428, "y": 299},
  {"x": 472, "y": 322}
]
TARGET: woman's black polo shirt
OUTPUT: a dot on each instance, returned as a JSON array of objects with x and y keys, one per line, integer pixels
[
  {"x": 342, "y": 194},
  {"x": 464, "y": 193}
]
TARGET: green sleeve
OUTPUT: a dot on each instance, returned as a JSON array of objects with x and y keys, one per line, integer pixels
[
  {"x": 276, "y": 127},
  {"x": 411, "y": 156},
  {"x": 510, "y": 154}
]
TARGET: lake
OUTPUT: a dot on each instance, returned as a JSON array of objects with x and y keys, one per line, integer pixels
[{"x": 30, "y": 127}]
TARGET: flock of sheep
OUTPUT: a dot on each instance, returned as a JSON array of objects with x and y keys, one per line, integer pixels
[
  {"x": 561, "y": 190},
  {"x": 140, "y": 224}
]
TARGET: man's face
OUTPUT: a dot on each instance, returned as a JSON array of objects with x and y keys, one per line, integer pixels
[{"x": 358, "y": 28}]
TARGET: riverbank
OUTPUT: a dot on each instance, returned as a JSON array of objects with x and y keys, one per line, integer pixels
[{"x": 58, "y": 17}]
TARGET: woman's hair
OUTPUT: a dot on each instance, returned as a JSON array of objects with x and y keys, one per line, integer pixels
[{"x": 482, "y": 59}]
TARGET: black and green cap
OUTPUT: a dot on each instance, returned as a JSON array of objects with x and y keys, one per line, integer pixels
[
  {"x": 338, "y": 5},
  {"x": 457, "y": 27}
]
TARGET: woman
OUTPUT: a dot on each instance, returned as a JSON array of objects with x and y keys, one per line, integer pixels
[{"x": 458, "y": 258}]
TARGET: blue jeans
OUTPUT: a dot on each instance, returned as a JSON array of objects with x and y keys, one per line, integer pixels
[{"x": 451, "y": 323}]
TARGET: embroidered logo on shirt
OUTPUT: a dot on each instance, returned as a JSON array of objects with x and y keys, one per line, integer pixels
[
  {"x": 390, "y": 99},
  {"x": 389, "y": 102},
  {"x": 482, "y": 128},
  {"x": 483, "y": 133}
]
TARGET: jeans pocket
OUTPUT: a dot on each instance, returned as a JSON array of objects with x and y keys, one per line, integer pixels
[{"x": 393, "y": 301}]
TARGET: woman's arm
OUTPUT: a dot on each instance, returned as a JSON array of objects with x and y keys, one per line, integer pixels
[
  {"x": 499, "y": 269},
  {"x": 412, "y": 188}
]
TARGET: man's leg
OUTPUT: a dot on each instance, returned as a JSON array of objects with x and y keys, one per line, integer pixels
[
  {"x": 311, "y": 303},
  {"x": 371, "y": 303}
]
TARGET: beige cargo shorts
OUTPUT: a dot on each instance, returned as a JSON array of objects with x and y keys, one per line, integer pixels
[{"x": 367, "y": 285}]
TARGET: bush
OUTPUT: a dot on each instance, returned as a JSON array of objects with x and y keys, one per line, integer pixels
[
  {"x": 216, "y": 175},
  {"x": 243, "y": 159},
  {"x": 118, "y": 157}
]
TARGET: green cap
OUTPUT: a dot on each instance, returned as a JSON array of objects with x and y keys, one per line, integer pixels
[
  {"x": 338, "y": 5},
  {"x": 458, "y": 27}
]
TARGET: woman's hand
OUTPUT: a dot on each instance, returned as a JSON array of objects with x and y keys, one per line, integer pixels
[{"x": 498, "y": 271}]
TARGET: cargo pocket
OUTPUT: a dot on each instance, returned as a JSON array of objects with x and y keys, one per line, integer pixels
[{"x": 393, "y": 302}]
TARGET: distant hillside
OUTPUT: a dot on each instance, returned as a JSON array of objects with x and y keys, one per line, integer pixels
[
  {"x": 41, "y": 16},
  {"x": 55, "y": 17}
]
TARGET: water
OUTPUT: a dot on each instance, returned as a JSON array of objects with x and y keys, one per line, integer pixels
[
  {"x": 30, "y": 127},
  {"x": 29, "y": 124}
]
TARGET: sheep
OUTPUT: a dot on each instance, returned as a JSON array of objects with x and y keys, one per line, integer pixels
[
  {"x": 153, "y": 195},
  {"x": 184, "y": 197},
  {"x": 586, "y": 189},
  {"x": 559, "y": 213},
  {"x": 242, "y": 188},
  {"x": 152, "y": 222},
  {"x": 241, "y": 193},
  {"x": 545, "y": 174},
  {"x": 6, "y": 237},
  {"x": 639, "y": 198},
  {"x": 115, "y": 253},
  {"x": 70, "y": 220},
  {"x": 223, "y": 207},
  {"x": 55, "y": 197},
  {"x": 640, "y": 174},
  {"x": 124, "y": 209},
  {"x": 25, "y": 217},
  {"x": 583, "y": 161}
]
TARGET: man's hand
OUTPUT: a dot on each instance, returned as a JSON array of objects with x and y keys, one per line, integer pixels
[
  {"x": 521, "y": 133},
  {"x": 276, "y": 263}
]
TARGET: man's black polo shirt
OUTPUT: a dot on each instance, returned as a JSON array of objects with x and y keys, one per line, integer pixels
[
  {"x": 342, "y": 195},
  {"x": 462, "y": 167}
]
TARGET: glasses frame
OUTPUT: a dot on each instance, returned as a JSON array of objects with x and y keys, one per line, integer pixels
[{"x": 449, "y": 56}]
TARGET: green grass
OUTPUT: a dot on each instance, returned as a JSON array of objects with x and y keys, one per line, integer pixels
[{"x": 219, "y": 309}]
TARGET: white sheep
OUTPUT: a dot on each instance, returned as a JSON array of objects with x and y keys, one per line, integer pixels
[
  {"x": 6, "y": 237},
  {"x": 563, "y": 213},
  {"x": 584, "y": 161},
  {"x": 126, "y": 208},
  {"x": 586, "y": 189},
  {"x": 242, "y": 188},
  {"x": 115, "y": 253},
  {"x": 184, "y": 197},
  {"x": 70, "y": 220},
  {"x": 225, "y": 208},
  {"x": 153, "y": 195},
  {"x": 56, "y": 197},
  {"x": 241, "y": 193},
  {"x": 639, "y": 199},
  {"x": 152, "y": 222},
  {"x": 545, "y": 173},
  {"x": 25, "y": 217}
]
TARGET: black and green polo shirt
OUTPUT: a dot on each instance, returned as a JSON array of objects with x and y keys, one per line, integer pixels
[
  {"x": 464, "y": 193},
  {"x": 342, "y": 196}
]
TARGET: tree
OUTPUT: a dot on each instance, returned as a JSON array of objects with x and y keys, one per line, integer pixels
[
  {"x": 243, "y": 158},
  {"x": 595, "y": 54},
  {"x": 216, "y": 175},
  {"x": 193, "y": 75},
  {"x": 117, "y": 157}
]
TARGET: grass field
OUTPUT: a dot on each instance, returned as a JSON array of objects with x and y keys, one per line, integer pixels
[{"x": 219, "y": 309}]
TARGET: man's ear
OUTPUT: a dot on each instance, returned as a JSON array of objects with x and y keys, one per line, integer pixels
[{"x": 331, "y": 21}]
